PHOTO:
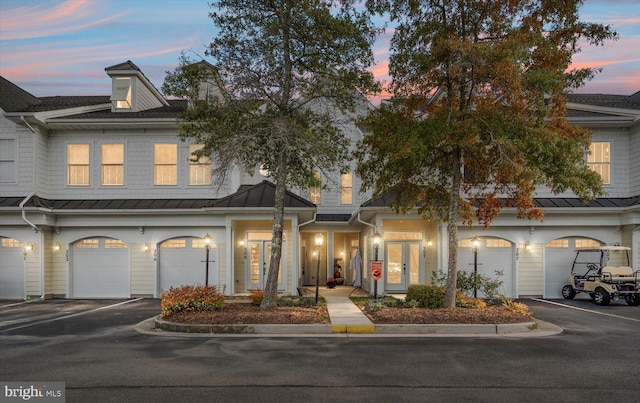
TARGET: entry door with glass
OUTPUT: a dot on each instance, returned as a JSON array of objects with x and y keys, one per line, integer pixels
[
  {"x": 259, "y": 260},
  {"x": 402, "y": 265}
]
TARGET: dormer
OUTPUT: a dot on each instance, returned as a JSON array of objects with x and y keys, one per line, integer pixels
[
  {"x": 131, "y": 91},
  {"x": 205, "y": 83}
]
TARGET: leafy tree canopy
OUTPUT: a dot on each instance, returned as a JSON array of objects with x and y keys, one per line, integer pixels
[
  {"x": 479, "y": 112},
  {"x": 279, "y": 64}
]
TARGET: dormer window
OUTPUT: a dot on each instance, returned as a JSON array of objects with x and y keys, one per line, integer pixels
[{"x": 121, "y": 94}]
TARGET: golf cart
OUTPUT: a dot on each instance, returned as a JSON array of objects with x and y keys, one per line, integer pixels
[{"x": 604, "y": 273}]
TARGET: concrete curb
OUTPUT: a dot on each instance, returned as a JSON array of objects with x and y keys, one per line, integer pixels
[
  {"x": 242, "y": 328},
  {"x": 517, "y": 330}
]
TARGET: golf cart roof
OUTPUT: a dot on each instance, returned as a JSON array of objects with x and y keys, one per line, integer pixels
[{"x": 615, "y": 248}]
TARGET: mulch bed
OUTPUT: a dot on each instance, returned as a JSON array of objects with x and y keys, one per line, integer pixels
[
  {"x": 242, "y": 313},
  {"x": 488, "y": 315}
]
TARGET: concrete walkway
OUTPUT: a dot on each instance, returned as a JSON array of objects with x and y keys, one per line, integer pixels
[{"x": 345, "y": 316}]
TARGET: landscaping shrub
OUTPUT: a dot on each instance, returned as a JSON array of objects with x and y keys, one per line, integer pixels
[
  {"x": 427, "y": 296},
  {"x": 466, "y": 281},
  {"x": 432, "y": 296},
  {"x": 256, "y": 296},
  {"x": 191, "y": 298},
  {"x": 305, "y": 301},
  {"x": 515, "y": 307}
]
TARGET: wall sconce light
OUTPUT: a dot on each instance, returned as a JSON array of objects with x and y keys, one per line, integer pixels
[
  {"x": 57, "y": 247},
  {"x": 28, "y": 247},
  {"x": 147, "y": 247},
  {"x": 427, "y": 244},
  {"x": 243, "y": 245},
  {"x": 527, "y": 246}
]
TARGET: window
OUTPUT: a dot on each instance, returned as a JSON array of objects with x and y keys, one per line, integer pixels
[
  {"x": 121, "y": 94},
  {"x": 78, "y": 164},
  {"x": 200, "y": 168},
  {"x": 10, "y": 243},
  {"x": 498, "y": 243},
  {"x": 599, "y": 160},
  {"x": 115, "y": 244},
  {"x": 86, "y": 244},
  {"x": 587, "y": 243},
  {"x": 166, "y": 164},
  {"x": 7, "y": 160},
  {"x": 346, "y": 196},
  {"x": 558, "y": 243},
  {"x": 174, "y": 243},
  {"x": 315, "y": 192},
  {"x": 112, "y": 164}
]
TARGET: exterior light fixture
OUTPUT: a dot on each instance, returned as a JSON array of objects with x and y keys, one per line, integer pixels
[
  {"x": 476, "y": 246},
  {"x": 147, "y": 247},
  {"x": 57, "y": 247},
  {"x": 319, "y": 240},
  {"x": 28, "y": 247},
  {"x": 207, "y": 246}
]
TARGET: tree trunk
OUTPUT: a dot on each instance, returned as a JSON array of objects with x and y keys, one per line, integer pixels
[
  {"x": 270, "y": 299},
  {"x": 452, "y": 231}
]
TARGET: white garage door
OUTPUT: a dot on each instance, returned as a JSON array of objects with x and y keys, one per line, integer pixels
[
  {"x": 100, "y": 269},
  {"x": 182, "y": 262},
  {"x": 11, "y": 269},
  {"x": 493, "y": 254},
  {"x": 558, "y": 256}
]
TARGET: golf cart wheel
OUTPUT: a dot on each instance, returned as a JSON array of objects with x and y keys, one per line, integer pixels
[
  {"x": 592, "y": 295},
  {"x": 601, "y": 297},
  {"x": 568, "y": 292},
  {"x": 633, "y": 300}
]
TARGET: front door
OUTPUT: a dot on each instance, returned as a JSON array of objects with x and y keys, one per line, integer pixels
[
  {"x": 402, "y": 265},
  {"x": 259, "y": 260}
]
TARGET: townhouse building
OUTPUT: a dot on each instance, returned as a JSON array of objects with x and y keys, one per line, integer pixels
[{"x": 99, "y": 198}]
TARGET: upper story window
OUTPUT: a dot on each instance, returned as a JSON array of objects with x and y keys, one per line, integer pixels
[
  {"x": 112, "y": 164},
  {"x": 200, "y": 168},
  {"x": 78, "y": 164},
  {"x": 121, "y": 97},
  {"x": 165, "y": 164},
  {"x": 346, "y": 196},
  {"x": 315, "y": 192},
  {"x": 599, "y": 160},
  {"x": 7, "y": 160}
]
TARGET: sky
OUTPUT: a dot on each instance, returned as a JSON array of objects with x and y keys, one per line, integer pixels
[{"x": 61, "y": 47}]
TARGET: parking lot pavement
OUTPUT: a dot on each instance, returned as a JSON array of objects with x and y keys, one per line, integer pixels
[
  {"x": 617, "y": 309},
  {"x": 63, "y": 316}
]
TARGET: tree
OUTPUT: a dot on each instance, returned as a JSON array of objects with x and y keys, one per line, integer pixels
[
  {"x": 478, "y": 122},
  {"x": 280, "y": 62}
]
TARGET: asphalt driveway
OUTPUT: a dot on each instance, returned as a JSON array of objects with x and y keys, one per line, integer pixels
[
  {"x": 93, "y": 346},
  {"x": 73, "y": 317}
]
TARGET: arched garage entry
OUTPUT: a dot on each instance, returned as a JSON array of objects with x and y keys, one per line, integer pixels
[
  {"x": 182, "y": 262},
  {"x": 493, "y": 254},
  {"x": 11, "y": 269},
  {"x": 558, "y": 257},
  {"x": 100, "y": 268}
]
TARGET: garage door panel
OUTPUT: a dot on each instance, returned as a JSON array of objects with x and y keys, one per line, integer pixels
[
  {"x": 182, "y": 264},
  {"x": 100, "y": 272},
  {"x": 559, "y": 256},
  {"x": 490, "y": 259},
  {"x": 11, "y": 270}
]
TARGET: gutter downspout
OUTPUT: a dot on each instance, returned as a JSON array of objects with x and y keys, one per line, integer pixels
[
  {"x": 24, "y": 213},
  {"x": 315, "y": 215},
  {"x": 310, "y": 221},
  {"x": 35, "y": 174},
  {"x": 22, "y": 208},
  {"x": 375, "y": 228}
]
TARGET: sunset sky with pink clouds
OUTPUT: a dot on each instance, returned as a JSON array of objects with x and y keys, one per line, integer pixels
[{"x": 61, "y": 47}]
